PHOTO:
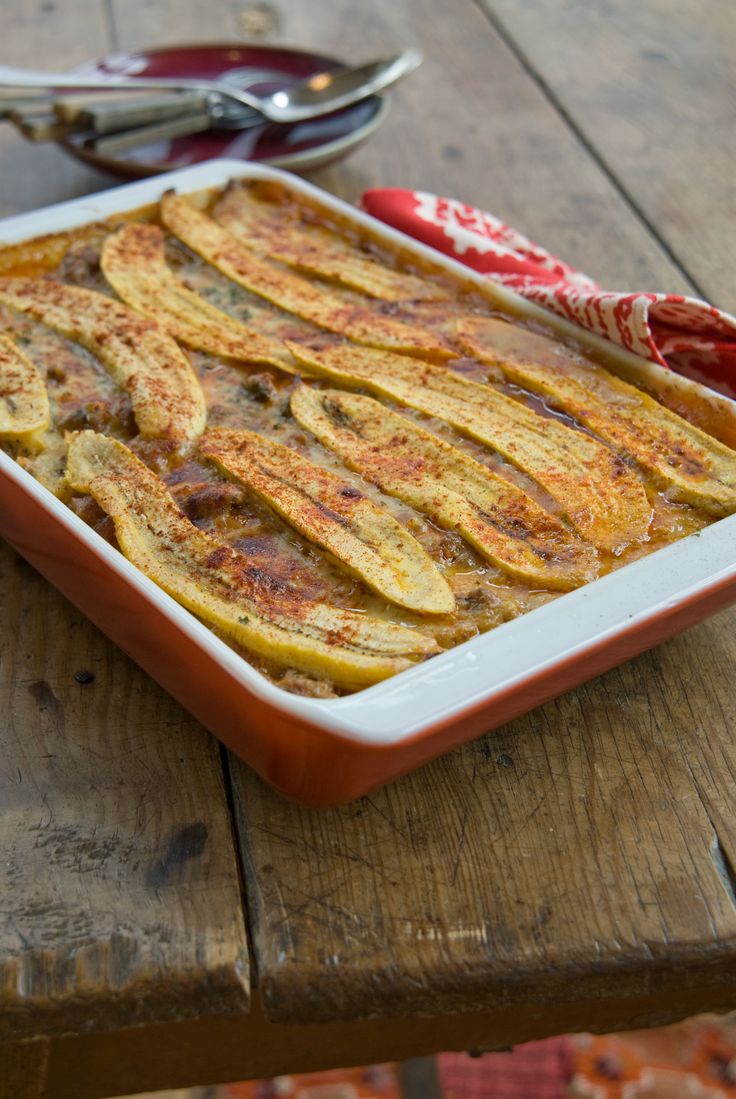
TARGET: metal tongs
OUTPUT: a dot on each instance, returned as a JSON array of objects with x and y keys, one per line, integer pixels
[{"x": 122, "y": 118}]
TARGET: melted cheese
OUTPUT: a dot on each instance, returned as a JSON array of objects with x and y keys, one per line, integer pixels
[
  {"x": 141, "y": 357},
  {"x": 218, "y": 584}
]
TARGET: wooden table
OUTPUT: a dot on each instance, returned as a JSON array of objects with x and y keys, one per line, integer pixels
[{"x": 164, "y": 918}]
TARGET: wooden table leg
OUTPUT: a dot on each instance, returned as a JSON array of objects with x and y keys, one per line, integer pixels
[
  {"x": 23, "y": 1069},
  {"x": 419, "y": 1079}
]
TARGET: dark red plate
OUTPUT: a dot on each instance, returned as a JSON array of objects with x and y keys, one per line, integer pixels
[{"x": 299, "y": 147}]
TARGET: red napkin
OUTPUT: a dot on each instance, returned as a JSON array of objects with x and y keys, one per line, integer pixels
[{"x": 689, "y": 335}]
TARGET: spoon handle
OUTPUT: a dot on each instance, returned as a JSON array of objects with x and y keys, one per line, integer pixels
[
  {"x": 194, "y": 122},
  {"x": 105, "y": 114},
  {"x": 28, "y": 78}
]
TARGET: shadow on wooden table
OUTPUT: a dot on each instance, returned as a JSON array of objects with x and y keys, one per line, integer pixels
[{"x": 693, "y": 1058}]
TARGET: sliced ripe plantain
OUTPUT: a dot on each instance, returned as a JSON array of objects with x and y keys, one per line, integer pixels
[
  {"x": 271, "y": 229},
  {"x": 334, "y": 515},
  {"x": 603, "y": 499},
  {"x": 291, "y": 292},
  {"x": 264, "y": 615},
  {"x": 24, "y": 402},
  {"x": 142, "y": 358},
  {"x": 46, "y": 461},
  {"x": 25, "y": 418},
  {"x": 133, "y": 262},
  {"x": 499, "y": 519},
  {"x": 689, "y": 464}
]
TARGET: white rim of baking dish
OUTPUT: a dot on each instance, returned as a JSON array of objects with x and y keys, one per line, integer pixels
[{"x": 472, "y": 673}]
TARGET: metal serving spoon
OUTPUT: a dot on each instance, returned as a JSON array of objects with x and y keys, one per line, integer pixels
[{"x": 319, "y": 94}]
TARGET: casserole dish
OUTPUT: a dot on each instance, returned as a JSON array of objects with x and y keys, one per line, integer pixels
[{"x": 326, "y": 751}]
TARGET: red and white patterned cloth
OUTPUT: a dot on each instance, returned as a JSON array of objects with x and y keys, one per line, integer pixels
[{"x": 683, "y": 333}]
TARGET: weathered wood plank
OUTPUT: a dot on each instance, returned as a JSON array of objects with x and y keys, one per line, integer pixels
[
  {"x": 469, "y": 123},
  {"x": 23, "y": 1070},
  {"x": 419, "y": 1079},
  {"x": 224, "y": 1050},
  {"x": 699, "y": 703},
  {"x": 42, "y": 35},
  {"x": 565, "y": 856},
  {"x": 119, "y": 893},
  {"x": 569, "y": 853},
  {"x": 653, "y": 89},
  {"x": 140, "y": 23},
  {"x": 564, "y": 859}
]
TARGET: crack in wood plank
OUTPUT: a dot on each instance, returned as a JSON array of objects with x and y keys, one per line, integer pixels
[{"x": 595, "y": 153}]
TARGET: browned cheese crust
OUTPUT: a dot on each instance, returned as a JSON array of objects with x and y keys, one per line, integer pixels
[
  {"x": 334, "y": 515},
  {"x": 494, "y": 515},
  {"x": 603, "y": 499},
  {"x": 687, "y": 463},
  {"x": 142, "y": 358},
  {"x": 276, "y": 230},
  {"x": 439, "y": 470},
  {"x": 291, "y": 292},
  {"x": 220, "y": 586},
  {"x": 24, "y": 403},
  {"x": 134, "y": 264}
]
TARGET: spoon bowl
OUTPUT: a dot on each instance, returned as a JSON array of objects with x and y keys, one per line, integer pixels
[{"x": 336, "y": 88}]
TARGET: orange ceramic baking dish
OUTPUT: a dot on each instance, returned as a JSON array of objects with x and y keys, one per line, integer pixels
[{"x": 325, "y": 751}]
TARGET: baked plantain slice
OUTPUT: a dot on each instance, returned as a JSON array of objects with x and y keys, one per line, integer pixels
[
  {"x": 133, "y": 262},
  {"x": 603, "y": 499},
  {"x": 334, "y": 515},
  {"x": 683, "y": 460},
  {"x": 289, "y": 291},
  {"x": 46, "y": 461},
  {"x": 266, "y": 616},
  {"x": 25, "y": 418},
  {"x": 271, "y": 229},
  {"x": 504, "y": 523},
  {"x": 24, "y": 402},
  {"x": 142, "y": 358}
]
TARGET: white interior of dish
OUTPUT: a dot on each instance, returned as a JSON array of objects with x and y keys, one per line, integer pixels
[{"x": 477, "y": 670}]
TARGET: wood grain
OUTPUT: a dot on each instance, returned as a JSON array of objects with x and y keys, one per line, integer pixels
[
  {"x": 469, "y": 123},
  {"x": 53, "y": 36},
  {"x": 567, "y": 855},
  {"x": 138, "y": 24},
  {"x": 652, "y": 87},
  {"x": 119, "y": 893},
  {"x": 419, "y": 1079},
  {"x": 573, "y": 870},
  {"x": 23, "y": 1068},
  {"x": 569, "y": 851},
  {"x": 577, "y": 861},
  {"x": 225, "y": 1050}
]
